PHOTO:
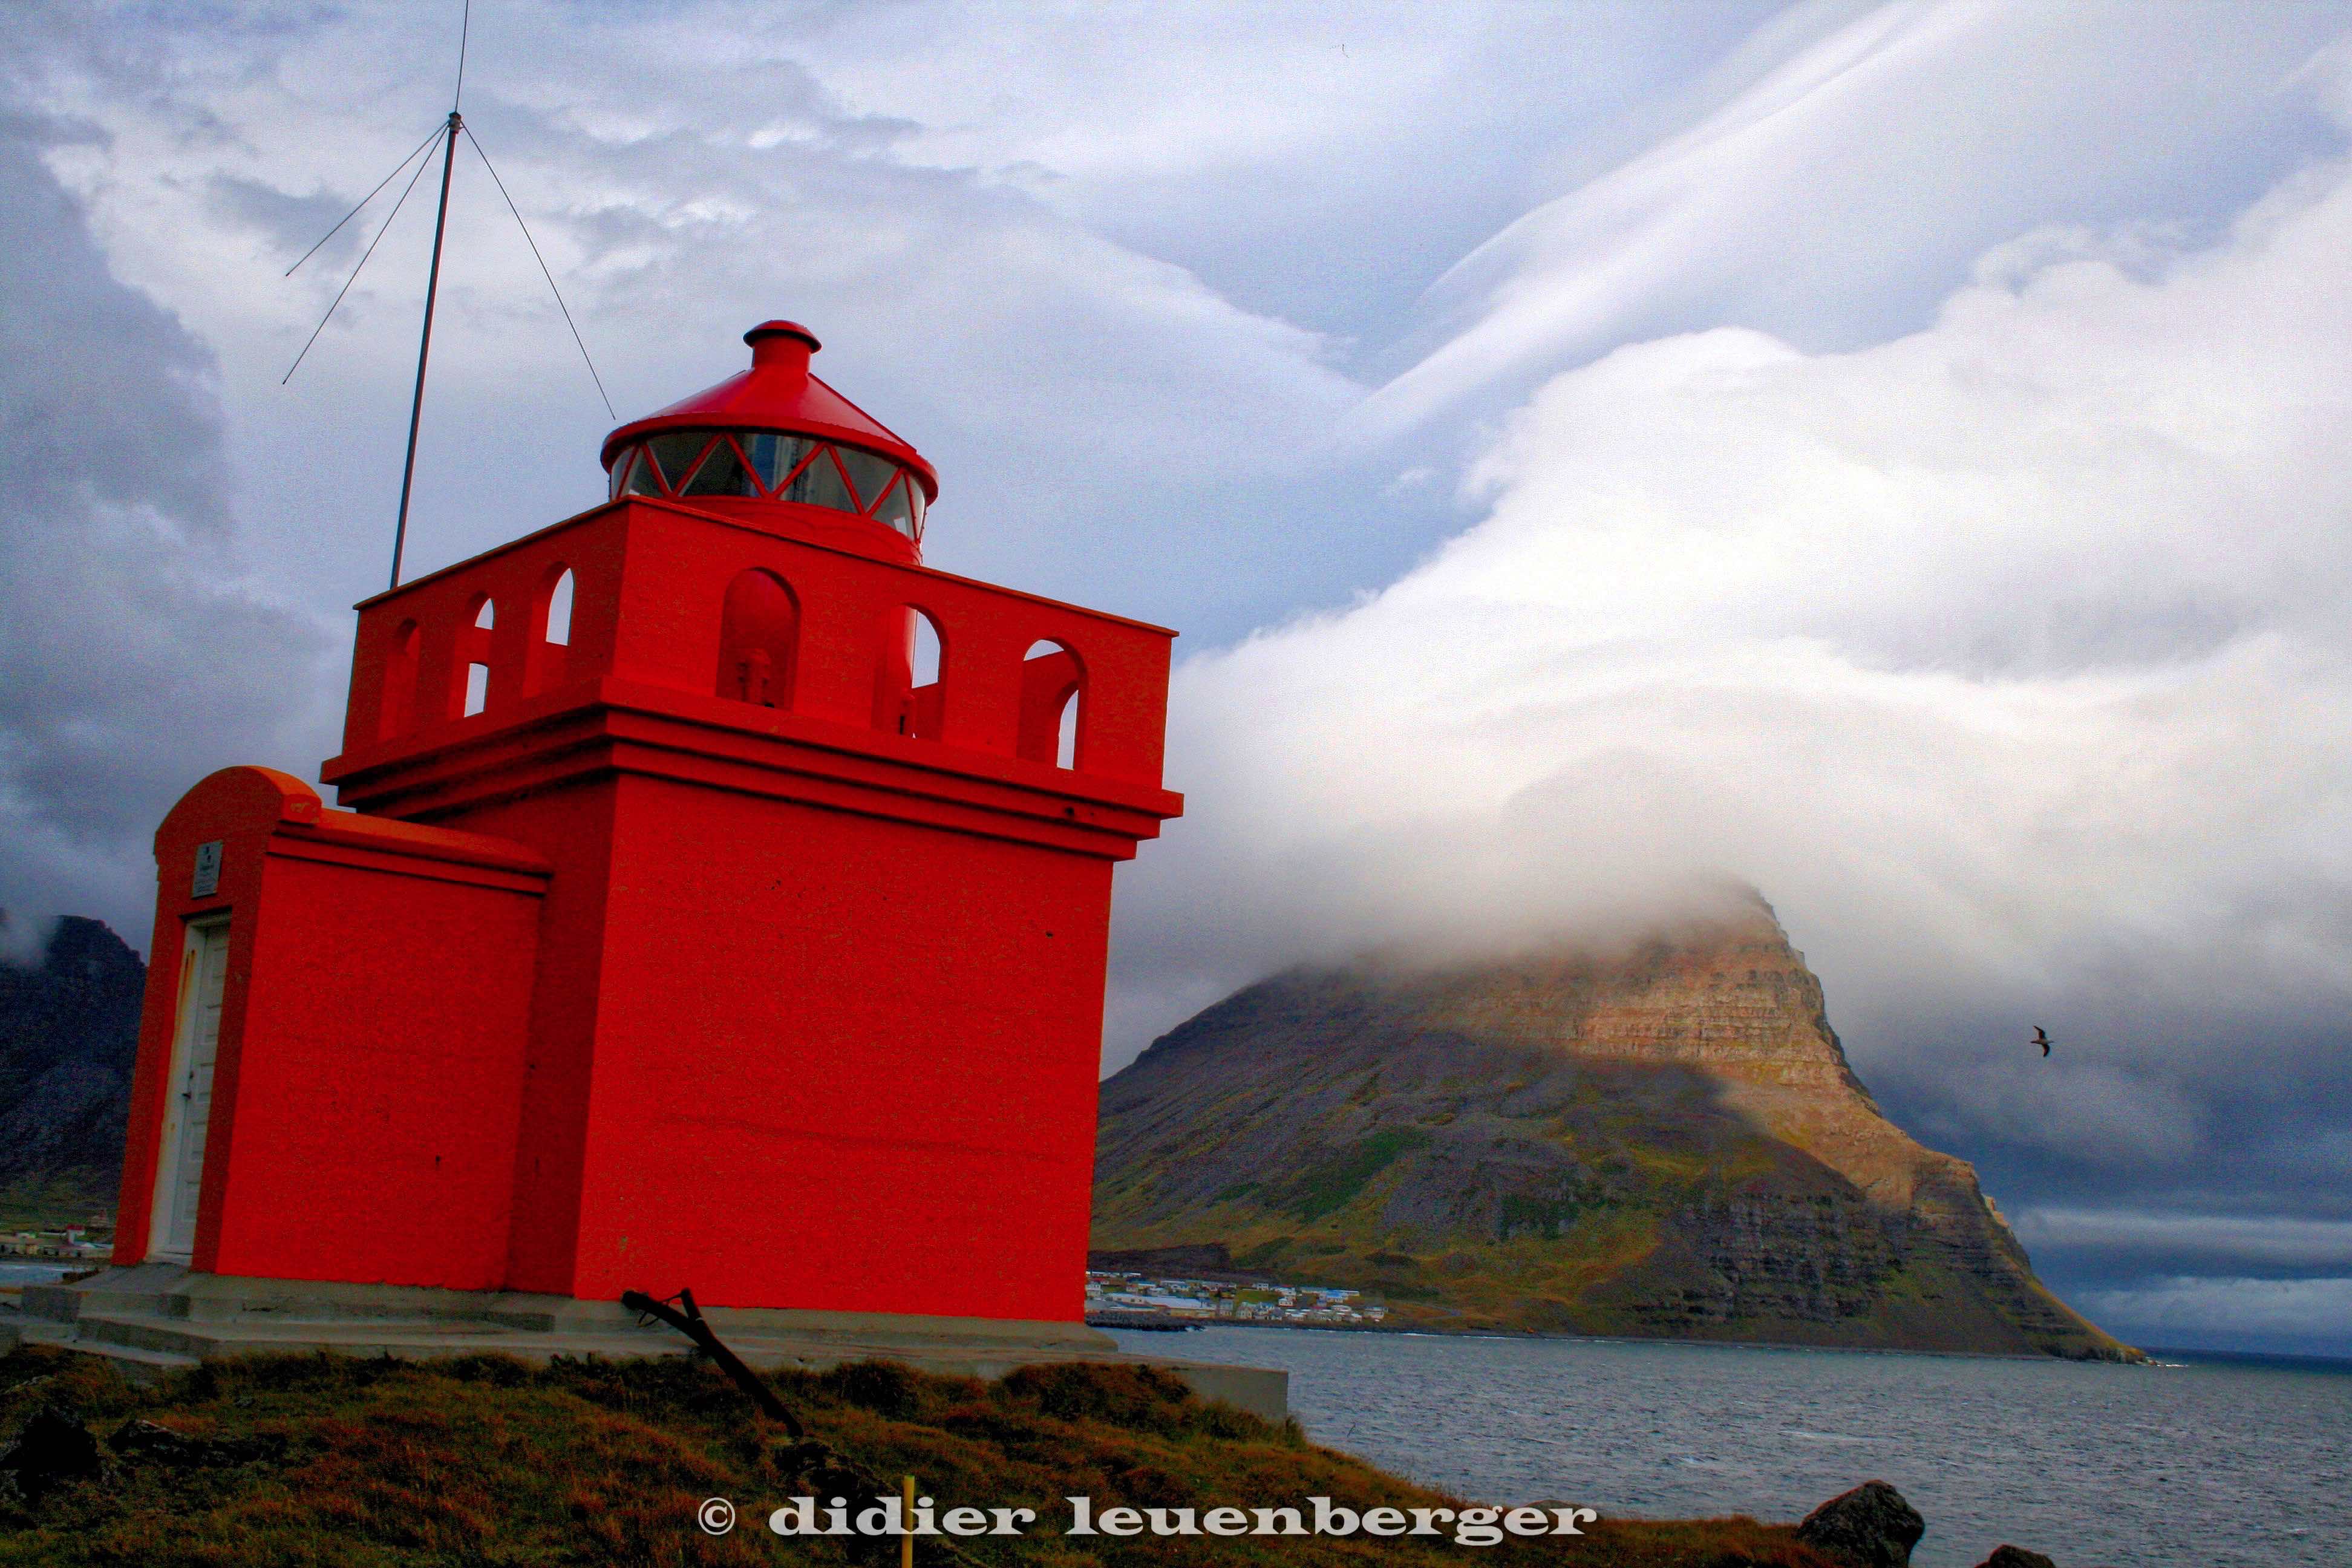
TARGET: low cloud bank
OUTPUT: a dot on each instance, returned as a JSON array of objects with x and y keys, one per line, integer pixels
[
  {"x": 2203, "y": 1244},
  {"x": 2286, "y": 1317}
]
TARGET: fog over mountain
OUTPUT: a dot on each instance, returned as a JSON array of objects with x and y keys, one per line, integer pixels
[
  {"x": 1892, "y": 456},
  {"x": 1992, "y": 653}
]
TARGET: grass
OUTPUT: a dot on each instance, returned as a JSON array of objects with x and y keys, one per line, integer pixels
[
  {"x": 485, "y": 1462},
  {"x": 1333, "y": 1183}
]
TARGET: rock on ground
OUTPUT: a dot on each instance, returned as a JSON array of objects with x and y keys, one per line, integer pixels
[
  {"x": 53, "y": 1445},
  {"x": 2015, "y": 1557},
  {"x": 1869, "y": 1526}
]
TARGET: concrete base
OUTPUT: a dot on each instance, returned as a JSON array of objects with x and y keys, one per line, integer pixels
[{"x": 160, "y": 1316}]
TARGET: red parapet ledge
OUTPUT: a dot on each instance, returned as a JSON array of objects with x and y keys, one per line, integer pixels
[
  {"x": 600, "y": 726},
  {"x": 725, "y": 625}
]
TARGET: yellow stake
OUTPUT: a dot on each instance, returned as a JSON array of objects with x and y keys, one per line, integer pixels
[{"x": 906, "y": 1542}]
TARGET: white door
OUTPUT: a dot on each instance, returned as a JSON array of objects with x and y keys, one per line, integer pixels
[{"x": 187, "y": 1113}]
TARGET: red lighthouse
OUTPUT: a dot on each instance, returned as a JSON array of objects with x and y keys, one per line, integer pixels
[{"x": 675, "y": 931}]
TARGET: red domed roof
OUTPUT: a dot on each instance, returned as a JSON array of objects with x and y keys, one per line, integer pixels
[{"x": 780, "y": 393}]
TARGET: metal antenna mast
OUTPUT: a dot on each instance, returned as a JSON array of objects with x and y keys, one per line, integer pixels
[
  {"x": 425, "y": 342},
  {"x": 447, "y": 134},
  {"x": 456, "y": 123}
]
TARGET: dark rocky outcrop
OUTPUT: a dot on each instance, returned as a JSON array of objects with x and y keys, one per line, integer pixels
[
  {"x": 1869, "y": 1526},
  {"x": 1663, "y": 1138},
  {"x": 69, "y": 1037},
  {"x": 2015, "y": 1557}
]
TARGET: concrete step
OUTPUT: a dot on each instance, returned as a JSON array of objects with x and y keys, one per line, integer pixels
[
  {"x": 124, "y": 1315},
  {"x": 402, "y": 1338},
  {"x": 133, "y": 1355},
  {"x": 141, "y": 1363},
  {"x": 136, "y": 1332},
  {"x": 140, "y": 1288},
  {"x": 456, "y": 1336}
]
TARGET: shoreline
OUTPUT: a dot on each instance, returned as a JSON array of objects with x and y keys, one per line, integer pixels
[{"x": 1176, "y": 1324}]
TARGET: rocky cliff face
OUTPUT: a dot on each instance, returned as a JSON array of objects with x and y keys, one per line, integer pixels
[
  {"x": 69, "y": 1037},
  {"x": 1665, "y": 1139}
]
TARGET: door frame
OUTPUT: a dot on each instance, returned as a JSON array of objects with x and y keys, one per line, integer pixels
[{"x": 174, "y": 1130}]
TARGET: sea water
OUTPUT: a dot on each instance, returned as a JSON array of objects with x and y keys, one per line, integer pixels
[
  {"x": 2200, "y": 1463},
  {"x": 19, "y": 1272}
]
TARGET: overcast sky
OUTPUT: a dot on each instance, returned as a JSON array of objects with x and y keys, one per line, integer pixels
[{"x": 1897, "y": 456}]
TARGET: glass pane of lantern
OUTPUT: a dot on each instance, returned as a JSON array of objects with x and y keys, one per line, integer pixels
[
  {"x": 676, "y": 453},
  {"x": 621, "y": 469},
  {"x": 820, "y": 484},
  {"x": 773, "y": 457},
  {"x": 870, "y": 474},
  {"x": 915, "y": 502},
  {"x": 643, "y": 479},
  {"x": 894, "y": 509},
  {"x": 721, "y": 474}
]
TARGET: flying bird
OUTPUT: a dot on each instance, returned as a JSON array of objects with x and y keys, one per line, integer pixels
[{"x": 2040, "y": 1039}]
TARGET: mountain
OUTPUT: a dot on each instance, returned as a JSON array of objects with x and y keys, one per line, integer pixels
[
  {"x": 69, "y": 1036},
  {"x": 1663, "y": 1139}
]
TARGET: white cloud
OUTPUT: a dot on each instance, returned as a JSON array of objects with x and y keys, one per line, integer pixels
[
  {"x": 2006, "y": 657},
  {"x": 1309, "y": 156},
  {"x": 2304, "y": 1313},
  {"x": 1855, "y": 164},
  {"x": 1068, "y": 387}
]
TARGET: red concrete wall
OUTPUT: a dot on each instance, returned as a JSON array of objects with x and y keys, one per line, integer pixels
[
  {"x": 573, "y": 825},
  {"x": 367, "y": 1091},
  {"x": 825, "y": 1061},
  {"x": 374, "y": 1138},
  {"x": 870, "y": 1078},
  {"x": 624, "y": 982}
]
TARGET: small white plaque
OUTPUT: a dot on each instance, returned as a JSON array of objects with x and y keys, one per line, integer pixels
[{"x": 208, "y": 860}]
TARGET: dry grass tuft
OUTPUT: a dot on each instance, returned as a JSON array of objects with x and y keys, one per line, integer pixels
[{"x": 483, "y": 1462}]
